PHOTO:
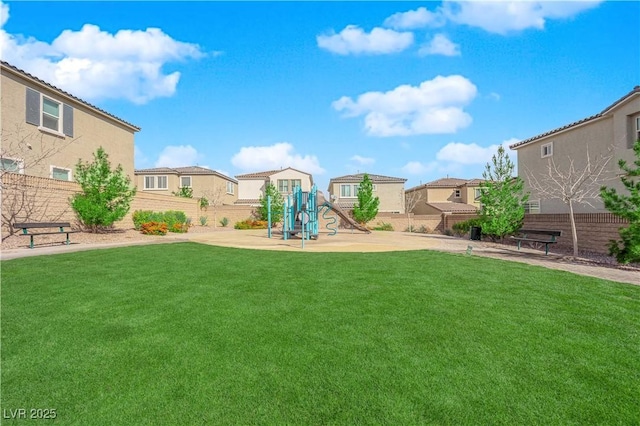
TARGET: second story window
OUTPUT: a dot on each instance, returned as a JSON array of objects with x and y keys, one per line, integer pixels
[
  {"x": 155, "y": 182},
  {"x": 185, "y": 182},
  {"x": 546, "y": 150},
  {"x": 283, "y": 186},
  {"x": 457, "y": 193},
  {"x": 477, "y": 193},
  {"x": 49, "y": 114},
  {"x": 230, "y": 188},
  {"x": 345, "y": 191}
]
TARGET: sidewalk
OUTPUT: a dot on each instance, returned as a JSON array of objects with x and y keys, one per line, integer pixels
[{"x": 347, "y": 241}]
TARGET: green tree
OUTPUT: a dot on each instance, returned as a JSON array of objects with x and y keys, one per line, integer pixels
[
  {"x": 106, "y": 194},
  {"x": 627, "y": 207},
  {"x": 184, "y": 192},
  {"x": 502, "y": 198},
  {"x": 367, "y": 207},
  {"x": 277, "y": 204}
]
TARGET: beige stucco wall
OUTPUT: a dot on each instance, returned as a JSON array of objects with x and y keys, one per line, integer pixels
[
  {"x": 614, "y": 132},
  {"x": 90, "y": 131},
  {"x": 305, "y": 179},
  {"x": 249, "y": 189},
  {"x": 391, "y": 195},
  {"x": 209, "y": 186}
]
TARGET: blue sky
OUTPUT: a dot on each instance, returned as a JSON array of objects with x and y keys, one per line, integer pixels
[{"x": 419, "y": 90}]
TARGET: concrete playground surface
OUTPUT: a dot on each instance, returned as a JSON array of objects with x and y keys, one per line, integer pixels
[{"x": 356, "y": 241}]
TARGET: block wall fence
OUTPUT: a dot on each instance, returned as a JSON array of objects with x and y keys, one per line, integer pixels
[{"x": 41, "y": 199}]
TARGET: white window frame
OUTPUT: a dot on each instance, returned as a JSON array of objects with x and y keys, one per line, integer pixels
[
  {"x": 283, "y": 186},
  {"x": 637, "y": 130},
  {"x": 190, "y": 182},
  {"x": 42, "y": 127},
  {"x": 69, "y": 171},
  {"x": 18, "y": 161},
  {"x": 546, "y": 150},
  {"x": 295, "y": 182},
  {"x": 374, "y": 187},
  {"x": 343, "y": 192},
  {"x": 156, "y": 180},
  {"x": 477, "y": 193},
  {"x": 457, "y": 193},
  {"x": 532, "y": 207},
  {"x": 230, "y": 188}
]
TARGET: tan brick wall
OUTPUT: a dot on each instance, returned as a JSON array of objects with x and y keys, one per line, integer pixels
[{"x": 594, "y": 229}]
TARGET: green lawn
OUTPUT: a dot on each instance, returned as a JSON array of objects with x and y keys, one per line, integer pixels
[{"x": 184, "y": 334}]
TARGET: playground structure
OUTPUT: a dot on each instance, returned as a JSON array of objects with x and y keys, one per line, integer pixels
[{"x": 302, "y": 212}]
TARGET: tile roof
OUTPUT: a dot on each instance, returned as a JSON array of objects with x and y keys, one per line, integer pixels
[
  {"x": 603, "y": 113},
  {"x": 374, "y": 178},
  {"x": 69, "y": 95},
  {"x": 268, "y": 173},
  {"x": 189, "y": 170},
  {"x": 447, "y": 183},
  {"x": 454, "y": 207},
  {"x": 247, "y": 201}
]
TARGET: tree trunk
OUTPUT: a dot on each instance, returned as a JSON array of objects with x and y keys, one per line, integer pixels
[{"x": 574, "y": 233}]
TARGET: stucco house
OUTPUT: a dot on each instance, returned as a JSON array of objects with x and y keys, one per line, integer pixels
[
  {"x": 45, "y": 130},
  {"x": 445, "y": 195},
  {"x": 251, "y": 186},
  {"x": 390, "y": 190},
  {"x": 612, "y": 131},
  {"x": 203, "y": 181}
]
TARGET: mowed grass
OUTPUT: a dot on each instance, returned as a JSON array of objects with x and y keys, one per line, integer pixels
[{"x": 193, "y": 334}]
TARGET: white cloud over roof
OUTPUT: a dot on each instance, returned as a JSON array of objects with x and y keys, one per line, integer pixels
[
  {"x": 273, "y": 157},
  {"x": 434, "y": 106},
  {"x": 354, "y": 40},
  {"x": 178, "y": 156},
  {"x": 472, "y": 153},
  {"x": 94, "y": 64}
]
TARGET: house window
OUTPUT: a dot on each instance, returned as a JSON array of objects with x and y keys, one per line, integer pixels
[
  {"x": 51, "y": 114},
  {"x": 296, "y": 182},
  {"x": 48, "y": 114},
  {"x": 637, "y": 129},
  {"x": 356, "y": 188},
  {"x": 185, "y": 181},
  {"x": 230, "y": 187},
  {"x": 345, "y": 191},
  {"x": 283, "y": 186},
  {"x": 477, "y": 193},
  {"x": 374, "y": 187},
  {"x": 546, "y": 150},
  {"x": 60, "y": 173},
  {"x": 155, "y": 182},
  {"x": 532, "y": 207},
  {"x": 457, "y": 193},
  {"x": 12, "y": 165}
]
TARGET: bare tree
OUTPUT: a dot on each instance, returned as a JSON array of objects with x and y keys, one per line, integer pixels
[
  {"x": 215, "y": 199},
  {"x": 411, "y": 200},
  {"x": 24, "y": 152},
  {"x": 571, "y": 184}
]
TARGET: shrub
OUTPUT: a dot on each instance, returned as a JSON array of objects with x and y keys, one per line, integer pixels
[
  {"x": 142, "y": 216},
  {"x": 463, "y": 228},
  {"x": 251, "y": 224},
  {"x": 224, "y": 222},
  {"x": 204, "y": 220},
  {"x": 153, "y": 228},
  {"x": 204, "y": 203},
  {"x": 179, "y": 228},
  {"x": 420, "y": 230},
  {"x": 383, "y": 226}
]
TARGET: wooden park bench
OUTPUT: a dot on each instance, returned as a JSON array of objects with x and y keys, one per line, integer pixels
[
  {"x": 542, "y": 236},
  {"x": 27, "y": 226}
]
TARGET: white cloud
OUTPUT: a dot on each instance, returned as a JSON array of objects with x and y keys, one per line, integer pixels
[
  {"x": 94, "y": 64},
  {"x": 4, "y": 14},
  {"x": 419, "y": 18},
  {"x": 502, "y": 17},
  {"x": 353, "y": 40},
  {"x": 418, "y": 168},
  {"x": 178, "y": 156},
  {"x": 468, "y": 154},
  {"x": 279, "y": 155},
  {"x": 435, "y": 106},
  {"x": 440, "y": 45},
  {"x": 364, "y": 161}
]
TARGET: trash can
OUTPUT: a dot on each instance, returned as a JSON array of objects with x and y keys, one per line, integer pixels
[{"x": 476, "y": 233}]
